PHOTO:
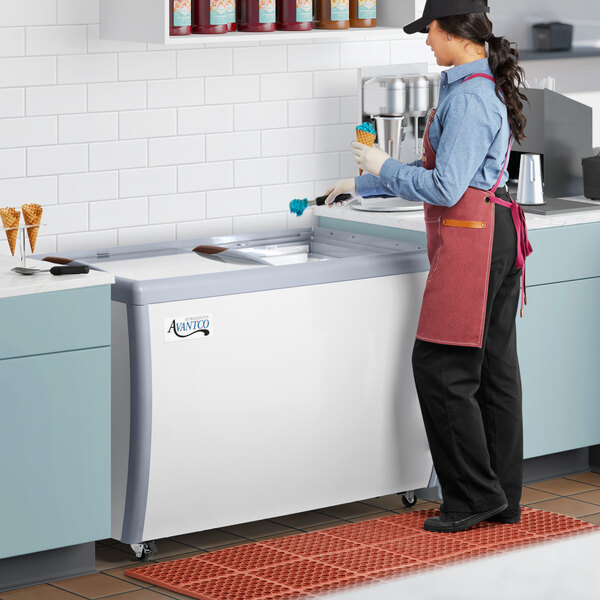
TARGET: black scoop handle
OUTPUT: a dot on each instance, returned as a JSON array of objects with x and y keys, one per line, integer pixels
[
  {"x": 341, "y": 198},
  {"x": 70, "y": 270}
]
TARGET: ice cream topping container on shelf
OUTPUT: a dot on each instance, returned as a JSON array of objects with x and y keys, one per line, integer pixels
[
  {"x": 210, "y": 16},
  {"x": 256, "y": 15},
  {"x": 367, "y": 9},
  {"x": 340, "y": 10},
  {"x": 294, "y": 15},
  {"x": 332, "y": 14},
  {"x": 180, "y": 17}
]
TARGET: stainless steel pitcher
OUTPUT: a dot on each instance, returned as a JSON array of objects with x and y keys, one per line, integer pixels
[
  {"x": 530, "y": 190},
  {"x": 391, "y": 132}
]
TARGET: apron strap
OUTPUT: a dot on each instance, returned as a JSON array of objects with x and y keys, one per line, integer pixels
[
  {"x": 524, "y": 248},
  {"x": 485, "y": 75},
  {"x": 510, "y": 143}
]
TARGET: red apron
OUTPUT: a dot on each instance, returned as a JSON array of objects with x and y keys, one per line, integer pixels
[{"x": 459, "y": 245}]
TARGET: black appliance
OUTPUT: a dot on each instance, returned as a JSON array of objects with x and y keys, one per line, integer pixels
[
  {"x": 591, "y": 177},
  {"x": 552, "y": 36}
]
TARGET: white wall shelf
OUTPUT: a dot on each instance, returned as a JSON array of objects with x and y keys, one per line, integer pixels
[{"x": 148, "y": 21}]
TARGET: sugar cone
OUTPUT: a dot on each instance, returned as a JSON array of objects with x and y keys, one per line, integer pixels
[
  {"x": 364, "y": 137},
  {"x": 32, "y": 213},
  {"x": 10, "y": 218}
]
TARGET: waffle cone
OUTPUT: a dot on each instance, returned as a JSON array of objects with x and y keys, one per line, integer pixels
[
  {"x": 364, "y": 137},
  {"x": 32, "y": 214},
  {"x": 10, "y": 218}
]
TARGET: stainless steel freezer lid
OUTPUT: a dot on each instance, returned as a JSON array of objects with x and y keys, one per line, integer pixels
[{"x": 171, "y": 271}]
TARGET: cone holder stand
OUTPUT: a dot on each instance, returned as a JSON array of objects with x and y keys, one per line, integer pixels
[{"x": 22, "y": 241}]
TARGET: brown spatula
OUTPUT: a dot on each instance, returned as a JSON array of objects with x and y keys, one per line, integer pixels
[{"x": 229, "y": 255}]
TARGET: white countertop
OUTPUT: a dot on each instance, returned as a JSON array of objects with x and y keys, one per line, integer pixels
[
  {"x": 413, "y": 220},
  {"x": 13, "y": 284}
]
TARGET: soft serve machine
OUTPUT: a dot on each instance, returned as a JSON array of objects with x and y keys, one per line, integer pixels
[{"x": 396, "y": 99}]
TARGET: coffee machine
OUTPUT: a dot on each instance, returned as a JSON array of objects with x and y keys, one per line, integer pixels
[{"x": 397, "y": 104}]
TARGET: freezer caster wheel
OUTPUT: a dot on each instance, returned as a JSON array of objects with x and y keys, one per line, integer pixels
[
  {"x": 144, "y": 551},
  {"x": 408, "y": 498}
]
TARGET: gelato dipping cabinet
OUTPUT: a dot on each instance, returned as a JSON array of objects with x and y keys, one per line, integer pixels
[{"x": 270, "y": 383}]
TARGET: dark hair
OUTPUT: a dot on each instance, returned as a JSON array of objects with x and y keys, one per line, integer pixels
[{"x": 503, "y": 59}]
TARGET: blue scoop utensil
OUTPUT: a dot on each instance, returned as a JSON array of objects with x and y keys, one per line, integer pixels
[{"x": 298, "y": 207}]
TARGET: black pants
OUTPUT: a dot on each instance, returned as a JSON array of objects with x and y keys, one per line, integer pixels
[{"x": 471, "y": 397}]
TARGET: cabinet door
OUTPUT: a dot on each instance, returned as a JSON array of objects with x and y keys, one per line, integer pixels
[
  {"x": 54, "y": 450},
  {"x": 51, "y": 322},
  {"x": 559, "y": 353}
]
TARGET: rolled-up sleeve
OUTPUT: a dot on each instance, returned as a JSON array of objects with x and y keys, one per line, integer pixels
[{"x": 467, "y": 134}]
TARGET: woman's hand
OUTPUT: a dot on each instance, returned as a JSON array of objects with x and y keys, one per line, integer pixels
[
  {"x": 344, "y": 186},
  {"x": 369, "y": 159}
]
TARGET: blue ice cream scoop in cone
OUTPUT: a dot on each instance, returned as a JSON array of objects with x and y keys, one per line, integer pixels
[{"x": 297, "y": 207}]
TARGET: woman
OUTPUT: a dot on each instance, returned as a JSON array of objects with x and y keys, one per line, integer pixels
[{"x": 465, "y": 358}]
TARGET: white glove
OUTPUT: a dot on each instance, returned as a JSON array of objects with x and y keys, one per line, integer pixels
[
  {"x": 369, "y": 159},
  {"x": 344, "y": 186}
]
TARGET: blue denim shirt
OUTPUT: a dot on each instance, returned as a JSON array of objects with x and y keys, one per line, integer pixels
[{"x": 470, "y": 134}]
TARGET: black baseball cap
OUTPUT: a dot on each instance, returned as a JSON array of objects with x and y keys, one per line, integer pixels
[{"x": 434, "y": 9}]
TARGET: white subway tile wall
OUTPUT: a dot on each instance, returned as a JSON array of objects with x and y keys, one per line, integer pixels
[
  {"x": 178, "y": 92},
  {"x": 12, "y": 41},
  {"x": 12, "y": 103},
  {"x": 127, "y": 142},
  {"x": 204, "y": 119},
  {"x": 12, "y": 163},
  {"x": 33, "y": 131},
  {"x": 176, "y": 150},
  {"x": 55, "y": 100},
  {"x": 262, "y": 171},
  {"x": 26, "y": 71},
  {"x": 67, "y": 39},
  {"x": 227, "y": 203},
  {"x": 232, "y": 146},
  {"x": 90, "y": 68},
  {"x": 54, "y": 160},
  {"x": 96, "y": 127},
  {"x": 43, "y": 190},
  {"x": 118, "y": 155},
  {"x": 147, "y": 182},
  {"x": 87, "y": 187}
]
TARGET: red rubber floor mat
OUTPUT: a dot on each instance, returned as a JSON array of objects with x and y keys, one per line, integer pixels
[{"x": 309, "y": 564}]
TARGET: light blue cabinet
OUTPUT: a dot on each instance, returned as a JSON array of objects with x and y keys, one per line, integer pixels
[
  {"x": 558, "y": 338},
  {"x": 559, "y": 353},
  {"x": 54, "y": 420}
]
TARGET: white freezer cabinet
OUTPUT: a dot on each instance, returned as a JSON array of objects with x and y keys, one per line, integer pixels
[{"x": 243, "y": 391}]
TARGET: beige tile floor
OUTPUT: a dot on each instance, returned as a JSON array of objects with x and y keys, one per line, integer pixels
[{"x": 575, "y": 495}]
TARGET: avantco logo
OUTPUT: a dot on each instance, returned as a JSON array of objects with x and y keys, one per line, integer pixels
[{"x": 182, "y": 328}]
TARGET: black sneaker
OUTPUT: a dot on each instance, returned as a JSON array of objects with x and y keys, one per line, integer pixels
[
  {"x": 452, "y": 522},
  {"x": 506, "y": 517}
]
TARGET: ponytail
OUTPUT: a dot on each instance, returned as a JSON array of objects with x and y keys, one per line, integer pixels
[
  {"x": 503, "y": 59},
  {"x": 509, "y": 76}
]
